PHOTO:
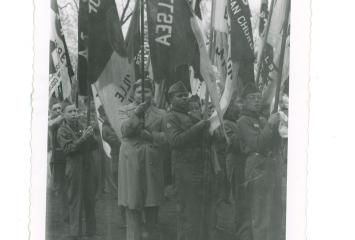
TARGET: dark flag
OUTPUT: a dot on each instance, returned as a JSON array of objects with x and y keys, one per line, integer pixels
[
  {"x": 83, "y": 29},
  {"x": 173, "y": 46},
  {"x": 264, "y": 14},
  {"x": 109, "y": 69},
  {"x": 242, "y": 43}
]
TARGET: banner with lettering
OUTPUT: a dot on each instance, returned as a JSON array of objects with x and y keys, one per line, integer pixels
[
  {"x": 172, "y": 43},
  {"x": 242, "y": 44},
  {"x": 59, "y": 65},
  {"x": 109, "y": 68},
  {"x": 241, "y": 31}
]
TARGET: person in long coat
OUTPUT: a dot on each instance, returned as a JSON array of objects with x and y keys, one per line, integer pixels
[
  {"x": 185, "y": 134},
  {"x": 257, "y": 138},
  {"x": 140, "y": 170},
  {"x": 77, "y": 144}
]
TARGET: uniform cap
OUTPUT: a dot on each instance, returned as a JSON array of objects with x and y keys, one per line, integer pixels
[{"x": 177, "y": 88}]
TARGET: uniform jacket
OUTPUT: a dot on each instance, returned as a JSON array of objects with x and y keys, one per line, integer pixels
[
  {"x": 76, "y": 151},
  {"x": 140, "y": 174},
  {"x": 185, "y": 138},
  {"x": 256, "y": 141}
]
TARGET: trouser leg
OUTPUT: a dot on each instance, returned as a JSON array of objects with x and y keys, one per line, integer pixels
[
  {"x": 89, "y": 203},
  {"x": 151, "y": 222},
  {"x": 260, "y": 206},
  {"x": 134, "y": 224},
  {"x": 74, "y": 206}
]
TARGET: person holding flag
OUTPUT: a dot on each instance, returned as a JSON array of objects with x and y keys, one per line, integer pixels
[
  {"x": 140, "y": 171},
  {"x": 256, "y": 142},
  {"x": 185, "y": 136},
  {"x": 77, "y": 144}
]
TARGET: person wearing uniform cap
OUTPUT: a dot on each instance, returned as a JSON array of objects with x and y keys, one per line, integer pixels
[
  {"x": 140, "y": 171},
  {"x": 185, "y": 135},
  {"x": 256, "y": 143},
  {"x": 77, "y": 144}
]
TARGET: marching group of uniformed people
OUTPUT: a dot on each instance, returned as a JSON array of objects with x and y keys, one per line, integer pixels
[{"x": 203, "y": 170}]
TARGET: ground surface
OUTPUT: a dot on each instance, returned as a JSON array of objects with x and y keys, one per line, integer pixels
[{"x": 110, "y": 225}]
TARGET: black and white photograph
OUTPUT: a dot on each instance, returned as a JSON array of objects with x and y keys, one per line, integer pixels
[{"x": 167, "y": 119}]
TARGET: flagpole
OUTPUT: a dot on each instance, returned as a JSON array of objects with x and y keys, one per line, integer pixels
[
  {"x": 282, "y": 55},
  {"x": 263, "y": 43},
  {"x": 142, "y": 48},
  {"x": 88, "y": 113}
]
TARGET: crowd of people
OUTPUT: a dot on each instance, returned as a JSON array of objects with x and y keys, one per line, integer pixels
[{"x": 171, "y": 154}]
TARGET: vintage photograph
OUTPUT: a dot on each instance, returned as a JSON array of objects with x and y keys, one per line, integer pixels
[{"x": 168, "y": 119}]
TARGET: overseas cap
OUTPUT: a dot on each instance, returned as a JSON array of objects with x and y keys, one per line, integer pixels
[
  {"x": 148, "y": 83},
  {"x": 177, "y": 87},
  {"x": 249, "y": 89}
]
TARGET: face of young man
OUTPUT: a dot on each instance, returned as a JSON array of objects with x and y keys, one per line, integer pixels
[
  {"x": 148, "y": 95},
  {"x": 56, "y": 110},
  {"x": 252, "y": 102},
  {"x": 71, "y": 113},
  {"x": 180, "y": 100}
]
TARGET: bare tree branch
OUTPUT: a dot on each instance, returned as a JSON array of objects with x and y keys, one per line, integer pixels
[
  {"x": 69, "y": 4},
  {"x": 125, "y": 9},
  {"x": 125, "y": 20}
]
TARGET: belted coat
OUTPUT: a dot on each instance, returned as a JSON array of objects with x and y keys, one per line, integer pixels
[{"x": 140, "y": 170}]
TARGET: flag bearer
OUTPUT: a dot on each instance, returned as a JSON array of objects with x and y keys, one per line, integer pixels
[
  {"x": 185, "y": 135},
  {"x": 140, "y": 170},
  {"x": 257, "y": 138},
  {"x": 78, "y": 143}
]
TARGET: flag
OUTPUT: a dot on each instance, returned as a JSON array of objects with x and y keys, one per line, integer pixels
[
  {"x": 83, "y": 28},
  {"x": 219, "y": 18},
  {"x": 173, "y": 46},
  {"x": 242, "y": 45},
  {"x": 206, "y": 68},
  {"x": 59, "y": 58},
  {"x": 278, "y": 23},
  {"x": 109, "y": 68},
  {"x": 231, "y": 70},
  {"x": 264, "y": 14},
  {"x": 133, "y": 43}
]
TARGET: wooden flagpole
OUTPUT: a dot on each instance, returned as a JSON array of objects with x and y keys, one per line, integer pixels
[{"x": 282, "y": 55}]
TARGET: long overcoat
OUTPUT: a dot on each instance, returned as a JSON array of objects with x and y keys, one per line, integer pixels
[
  {"x": 256, "y": 141},
  {"x": 140, "y": 171}
]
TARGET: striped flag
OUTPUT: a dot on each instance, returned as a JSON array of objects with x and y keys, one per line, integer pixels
[{"x": 59, "y": 59}]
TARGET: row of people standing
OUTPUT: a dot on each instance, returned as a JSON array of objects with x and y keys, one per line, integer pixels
[
  {"x": 148, "y": 133},
  {"x": 150, "y": 137}
]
